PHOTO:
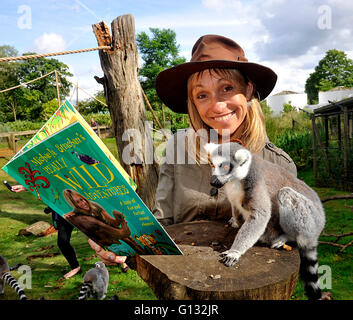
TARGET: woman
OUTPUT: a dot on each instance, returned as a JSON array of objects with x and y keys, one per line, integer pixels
[
  {"x": 64, "y": 235},
  {"x": 94, "y": 221},
  {"x": 220, "y": 90}
]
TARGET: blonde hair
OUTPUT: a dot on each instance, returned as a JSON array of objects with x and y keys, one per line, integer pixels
[
  {"x": 69, "y": 196},
  {"x": 254, "y": 130}
]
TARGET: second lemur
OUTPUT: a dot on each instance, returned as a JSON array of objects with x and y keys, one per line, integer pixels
[
  {"x": 6, "y": 277},
  {"x": 95, "y": 282},
  {"x": 276, "y": 207}
]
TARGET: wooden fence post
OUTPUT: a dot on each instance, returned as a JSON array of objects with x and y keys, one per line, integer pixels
[{"x": 125, "y": 101}]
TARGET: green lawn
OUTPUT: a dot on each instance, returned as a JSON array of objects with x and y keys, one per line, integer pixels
[{"x": 20, "y": 210}]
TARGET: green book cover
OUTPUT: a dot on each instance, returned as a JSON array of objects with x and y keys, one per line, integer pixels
[{"x": 71, "y": 174}]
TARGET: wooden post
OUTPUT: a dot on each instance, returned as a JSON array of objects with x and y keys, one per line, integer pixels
[
  {"x": 125, "y": 101},
  {"x": 317, "y": 134},
  {"x": 345, "y": 146},
  {"x": 57, "y": 88},
  {"x": 326, "y": 132},
  {"x": 339, "y": 133},
  {"x": 314, "y": 149}
]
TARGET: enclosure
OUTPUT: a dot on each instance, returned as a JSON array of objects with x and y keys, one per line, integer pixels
[{"x": 332, "y": 144}]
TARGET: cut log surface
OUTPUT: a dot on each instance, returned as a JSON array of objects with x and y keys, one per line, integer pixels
[{"x": 261, "y": 273}]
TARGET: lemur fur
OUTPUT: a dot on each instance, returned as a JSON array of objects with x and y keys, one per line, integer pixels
[{"x": 276, "y": 207}]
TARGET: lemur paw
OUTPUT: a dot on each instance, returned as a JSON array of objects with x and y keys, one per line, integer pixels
[
  {"x": 230, "y": 257},
  {"x": 233, "y": 222}
]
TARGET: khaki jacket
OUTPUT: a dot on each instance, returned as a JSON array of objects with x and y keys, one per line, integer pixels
[{"x": 183, "y": 191}]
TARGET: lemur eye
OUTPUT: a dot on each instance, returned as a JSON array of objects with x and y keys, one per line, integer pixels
[
  {"x": 212, "y": 166},
  {"x": 226, "y": 168}
]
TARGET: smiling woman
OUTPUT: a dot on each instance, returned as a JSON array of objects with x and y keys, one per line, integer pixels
[{"x": 220, "y": 91}]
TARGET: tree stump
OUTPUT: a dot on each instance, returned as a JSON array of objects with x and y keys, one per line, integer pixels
[{"x": 261, "y": 273}]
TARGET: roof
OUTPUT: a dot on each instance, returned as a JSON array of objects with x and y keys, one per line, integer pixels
[
  {"x": 335, "y": 106},
  {"x": 282, "y": 93}
]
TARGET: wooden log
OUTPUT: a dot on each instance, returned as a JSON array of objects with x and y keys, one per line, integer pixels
[
  {"x": 261, "y": 273},
  {"x": 124, "y": 98}
]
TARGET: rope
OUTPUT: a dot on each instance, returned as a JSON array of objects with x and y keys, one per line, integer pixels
[
  {"x": 93, "y": 97},
  {"x": 32, "y": 56},
  {"x": 23, "y": 84}
]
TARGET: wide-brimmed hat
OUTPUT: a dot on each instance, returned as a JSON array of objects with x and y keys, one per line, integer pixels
[{"x": 209, "y": 52}]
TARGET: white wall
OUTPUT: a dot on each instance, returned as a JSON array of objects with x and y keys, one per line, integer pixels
[
  {"x": 276, "y": 102},
  {"x": 334, "y": 95}
]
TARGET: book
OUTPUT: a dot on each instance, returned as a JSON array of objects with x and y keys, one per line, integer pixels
[{"x": 69, "y": 168}]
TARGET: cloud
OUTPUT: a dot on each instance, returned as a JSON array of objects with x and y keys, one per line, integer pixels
[
  {"x": 49, "y": 42},
  {"x": 296, "y": 27}
]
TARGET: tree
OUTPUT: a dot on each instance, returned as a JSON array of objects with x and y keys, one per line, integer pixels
[
  {"x": 25, "y": 103},
  {"x": 92, "y": 105},
  {"x": 43, "y": 90},
  {"x": 335, "y": 69},
  {"x": 159, "y": 52}
]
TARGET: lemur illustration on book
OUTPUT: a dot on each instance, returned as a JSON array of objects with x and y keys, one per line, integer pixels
[{"x": 276, "y": 207}]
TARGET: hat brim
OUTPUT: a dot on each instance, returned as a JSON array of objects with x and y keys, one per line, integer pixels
[{"x": 171, "y": 84}]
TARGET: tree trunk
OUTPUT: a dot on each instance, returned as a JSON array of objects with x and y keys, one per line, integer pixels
[
  {"x": 125, "y": 101},
  {"x": 261, "y": 273}
]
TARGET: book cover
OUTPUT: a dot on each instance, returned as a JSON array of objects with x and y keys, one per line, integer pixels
[
  {"x": 64, "y": 116},
  {"x": 69, "y": 172}
]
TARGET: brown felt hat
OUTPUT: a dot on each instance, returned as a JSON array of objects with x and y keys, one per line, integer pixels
[{"x": 209, "y": 52}]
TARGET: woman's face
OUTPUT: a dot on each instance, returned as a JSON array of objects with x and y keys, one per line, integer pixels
[
  {"x": 221, "y": 103},
  {"x": 80, "y": 202}
]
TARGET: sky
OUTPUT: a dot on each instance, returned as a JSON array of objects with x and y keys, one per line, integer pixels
[{"x": 286, "y": 35}]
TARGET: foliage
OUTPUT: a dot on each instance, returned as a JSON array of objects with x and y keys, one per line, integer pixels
[
  {"x": 291, "y": 131},
  {"x": 173, "y": 121},
  {"x": 25, "y": 103},
  {"x": 103, "y": 119},
  {"x": 49, "y": 108},
  {"x": 93, "y": 106},
  {"x": 298, "y": 145},
  {"x": 335, "y": 69},
  {"x": 287, "y": 107},
  {"x": 20, "y": 125},
  {"x": 159, "y": 52},
  {"x": 266, "y": 109}
]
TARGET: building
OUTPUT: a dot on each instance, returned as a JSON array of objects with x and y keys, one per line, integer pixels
[
  {"x": 276, "y": 101},
  {"x": 335, "y": 94}
]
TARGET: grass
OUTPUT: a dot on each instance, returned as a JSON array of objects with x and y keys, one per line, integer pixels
[{"x": 20, "y": 210}]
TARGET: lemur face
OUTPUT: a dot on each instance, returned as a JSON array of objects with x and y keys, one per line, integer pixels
[{"x": 229, "y": 161}]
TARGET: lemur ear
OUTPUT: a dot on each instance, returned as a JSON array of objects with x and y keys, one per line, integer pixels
[
  {"x": 242, "y": 156},
  {"x": 210, "y": 147}
]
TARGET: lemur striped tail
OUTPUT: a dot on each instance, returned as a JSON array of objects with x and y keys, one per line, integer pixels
[
  {"x": 309, "y": 272},
  {"x": 86, "y": 291},
  {"x": 14, "y": 284}
]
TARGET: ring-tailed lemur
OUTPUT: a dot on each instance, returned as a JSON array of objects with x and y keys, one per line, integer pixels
[
  {"x": 276, "y": 206},
  {"x": 5, "y": 276},
  {"x": 95, "y": 281}
]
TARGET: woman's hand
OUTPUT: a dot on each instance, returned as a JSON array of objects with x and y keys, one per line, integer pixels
[
  {"x": 18, "y": 188},
  {"x": 108, "y": 257},
  {"x": 68, "y": 215}
]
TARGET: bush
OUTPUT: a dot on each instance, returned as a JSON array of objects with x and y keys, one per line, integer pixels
[
  {"x": 291, "y": 131},
  {"x": 298, "y": 145},
  {"x": 103, "y": 119},
  {"x": 20, "y": 125}
]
